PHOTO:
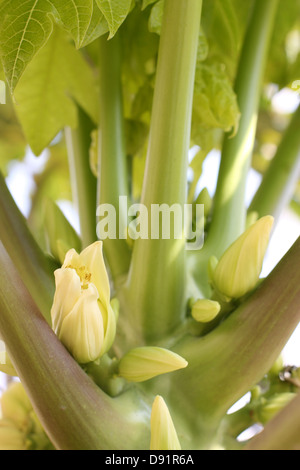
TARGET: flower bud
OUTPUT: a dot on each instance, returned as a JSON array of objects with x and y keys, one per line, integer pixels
[
  {"x": 205, "y": 310},
  {"x": 163, "y": 433},
  {"x": 82, "y": 315},
  {"x": 270, "y": 407},
  {"x": 239, "y": 268},
  {"x": 143, "y": 363}
]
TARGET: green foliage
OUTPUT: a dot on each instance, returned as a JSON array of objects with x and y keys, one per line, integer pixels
[
  {"x": 115, "y": 12},
  {"x": 133, "y": 137},
  {"x": 47, "y": 90}
]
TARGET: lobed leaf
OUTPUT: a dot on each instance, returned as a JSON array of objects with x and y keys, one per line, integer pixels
[
  {"x": 97, "y": 27},
  {"x": 27, "y": 25},
  {"x": 75, "y": 17},
  {"x": 115, "y": 12},
  {"x": 47, "y": 89}
]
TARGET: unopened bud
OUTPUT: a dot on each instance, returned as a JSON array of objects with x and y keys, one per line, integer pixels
[
  {"x": 270, "y": 407},
  {"x": 82, "y": 316},
  {"x": 239, "y": 268},
  {"x": 144, "y": 363},
  {"x": 205, "y": 310},
  {"x": 163, "y": 432}
]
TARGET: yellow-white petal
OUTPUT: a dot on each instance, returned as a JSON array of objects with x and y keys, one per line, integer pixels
[
  {"x": 82, "y": 329},
  {"x": 92, "y": 258},
  {"x": 163, "y": 432},
  {"x": 72, "y": 258},
  {"x": 109, "y": 326},
  {"x": 67, "y": 293}
]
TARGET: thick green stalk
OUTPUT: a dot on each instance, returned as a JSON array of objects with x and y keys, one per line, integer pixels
[
  {"x": 112, "y": 165},
  {"x": 229, "y": 210},
  {"x": 33, "y": 266},
  {"x": 282, "y": 432},
  {"x": 278, "y": 184},
  {"x": 75, "y": 413},
  {"x": 226, "y": 363},
  {"x": 82, "y": 179},
  {"x": 156, "y": 287}
]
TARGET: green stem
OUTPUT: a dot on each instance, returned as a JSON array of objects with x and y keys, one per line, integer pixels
[
  {"x": 229, "y": 361},
  {"x": 33, "y": 266},
  {"x": 113, "y": 175},
  {"x": 278, "y": 184},
  {"x": 75, "y": 413},
  {"x": 156, "y": 287},
  {"x": 282, "y": 432},
  {"x": 83, "y": 181},
  {"x": 235, "y": 423},
  {"x": 229, "y": 210}
]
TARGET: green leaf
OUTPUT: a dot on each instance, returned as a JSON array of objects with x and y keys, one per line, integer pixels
[
  {"x": 47, "y": 89},
  {"x": 156, "y": 16},
  {"x": 75, "y": 17},
  {"x": 98, "y": 26},
  {"x": 147, "y": 2},
  {"x": 215, "y": 104},
  {"x": 27, "y": 26},
  {"x": 224, "y": 22},
  {"x": 115, "y": 12}
]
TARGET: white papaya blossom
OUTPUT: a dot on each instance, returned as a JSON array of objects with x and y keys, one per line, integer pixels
[{"x": 82, "y": 315}]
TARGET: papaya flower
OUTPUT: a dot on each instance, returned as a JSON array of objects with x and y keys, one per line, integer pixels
[
  {"x": 239, "y": 268},
  {"x": 82, "y": 315}
]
